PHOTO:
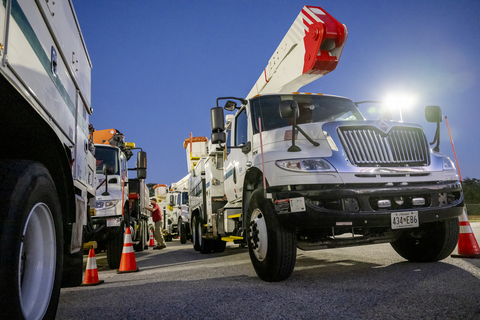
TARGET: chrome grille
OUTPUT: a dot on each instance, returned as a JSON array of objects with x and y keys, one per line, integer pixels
[{"x": 367, "y": 146}]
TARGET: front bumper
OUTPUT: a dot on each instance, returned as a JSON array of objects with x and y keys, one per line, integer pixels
[
  {"x": 332, "y": 207},
  {"x": 105, "y": 228}
]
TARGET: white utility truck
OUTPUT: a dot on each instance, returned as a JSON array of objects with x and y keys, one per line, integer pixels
[
  {"x": 110, "y": 210},
  {"x": 177, "y": 211},
  {"x": 47, "y": 168},
  {"x": 306, "y": 170}
]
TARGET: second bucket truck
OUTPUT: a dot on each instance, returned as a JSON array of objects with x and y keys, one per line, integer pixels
[
  {"x": 177, "y": 214},
  {"x": 305, "y": 170},
  {"x": 110, "y": 213}
]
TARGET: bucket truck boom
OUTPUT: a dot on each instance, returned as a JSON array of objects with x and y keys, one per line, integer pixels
[{"x": 310, "y": 49}]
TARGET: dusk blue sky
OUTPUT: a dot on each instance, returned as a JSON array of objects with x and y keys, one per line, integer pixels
[{"x": 158, "y": 66}]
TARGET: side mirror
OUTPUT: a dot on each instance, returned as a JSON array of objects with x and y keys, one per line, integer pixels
[
  {"x": 218, "y": 127},
  {"x": 172, "y": 200},
  {"x": 142, "y": 174},
  {"x": 433, "y": 114},
  {"x": 141, "y": 165},
  {"x": 289, "y": 109},
  {"x": 107, "y": 170},
  {"x": 142, "y": 160},
  {"x": 230, "y": 105}
]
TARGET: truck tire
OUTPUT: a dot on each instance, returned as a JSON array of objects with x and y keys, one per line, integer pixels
[
  {"x": 271, "y": 246},
  {"x": 203, "y": 245},
  {"x": 219, "y": 246},
  {"x": 114, "y": 250},
  {"x": 182, "y": 231},
  {"x": 430, "y": 242},
  {"x": 72, "y": 269},
  {"x": 196, "y": 245},
  {"x": 141, "y": 236},
  {"x": 31, "y": 241}
]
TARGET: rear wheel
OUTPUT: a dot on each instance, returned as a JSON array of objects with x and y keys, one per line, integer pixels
[
  {"x": 200, "y": 244},
  {"x": 271, "y": 246},
  {"x": 430, "y": 242},
  {"x": 196, "y": 245},
  {"x": 31, "y": 241},
  {"x": 219, "y": 246},
  {"x": 205, "y": 244}
]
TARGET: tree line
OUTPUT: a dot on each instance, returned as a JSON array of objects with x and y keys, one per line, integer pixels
[{"x": 471, "y": 190}]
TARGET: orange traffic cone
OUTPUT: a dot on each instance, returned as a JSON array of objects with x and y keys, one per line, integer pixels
[
  {"x": 127, "y": 261},
  {"x": 91, "y": 273},
  {"x": 467, "y": 244},
  {"x": 152, "y": 241}
]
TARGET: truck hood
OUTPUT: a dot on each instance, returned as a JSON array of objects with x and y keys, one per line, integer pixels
[
  {"x": 114, "y": 189},
  {"x": 345, "y": 155}
]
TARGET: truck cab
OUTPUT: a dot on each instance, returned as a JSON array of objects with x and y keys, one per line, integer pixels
[
  {"x": 312, "y": 164},
  {"x": 111, "y": 211}
]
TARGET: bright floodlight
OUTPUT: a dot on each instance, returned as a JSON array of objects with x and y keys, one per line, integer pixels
[{"x": 399, "y": 101}]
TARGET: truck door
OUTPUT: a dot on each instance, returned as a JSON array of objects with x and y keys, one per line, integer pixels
[{"x": 234, "y": 166}]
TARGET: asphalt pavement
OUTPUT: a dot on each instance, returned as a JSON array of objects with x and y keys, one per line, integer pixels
[{"x": 368, "y": 282}]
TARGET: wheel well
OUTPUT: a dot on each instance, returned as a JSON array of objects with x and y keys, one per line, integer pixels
[
  {"x": 253, "y": 180},
  {"x": 27, "y": 135}
]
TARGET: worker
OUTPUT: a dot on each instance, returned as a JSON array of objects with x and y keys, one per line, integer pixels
[{"x": 157, "y": 219}]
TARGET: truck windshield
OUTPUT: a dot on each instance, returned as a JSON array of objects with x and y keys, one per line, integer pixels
[
  {"x": 313, "y": 108},
  {"x": 184, "y": 197},
  {"x": 106, "y": 156}
]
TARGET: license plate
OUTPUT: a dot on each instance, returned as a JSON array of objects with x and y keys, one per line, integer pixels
[
  {"x": 115, "y": 222},
  {"x": 407, "y": 219}
]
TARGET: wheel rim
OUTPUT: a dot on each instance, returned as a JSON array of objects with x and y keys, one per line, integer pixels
[
  {"x": 194, "y": 231},
  {"x": 179, "y": 228},
  {"x": 258, "y": 234},
  {"x": 199, "y": 232},
  {"x": 37, "y": 262}
]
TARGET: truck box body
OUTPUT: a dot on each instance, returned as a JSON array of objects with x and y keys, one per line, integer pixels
[{"x": 45, "y": 91}]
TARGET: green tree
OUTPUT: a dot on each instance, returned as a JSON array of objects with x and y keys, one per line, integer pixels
[{"x": 471, "y": 190}]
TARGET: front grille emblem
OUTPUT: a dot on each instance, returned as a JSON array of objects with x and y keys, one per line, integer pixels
[{"x": 383, "y": 126}]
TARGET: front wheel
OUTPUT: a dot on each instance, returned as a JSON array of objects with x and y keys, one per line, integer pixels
[
  {"x": 271, "y": 246},
  {"x": 31, "y": 241},
  {"x": 141, "y": 237},
  {"x": 430, "y": 242},
  {"x": 114, "y": 250}
]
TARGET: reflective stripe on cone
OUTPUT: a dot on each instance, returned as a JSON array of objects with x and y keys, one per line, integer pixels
[
  {"x": 91, "y": 273},
  {"x": 127, "y": 262},
  {"x": 467, "y": 244}
]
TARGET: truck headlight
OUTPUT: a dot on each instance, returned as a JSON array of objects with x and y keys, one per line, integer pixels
[
  {"x": 105, "y": 204},
  {"x": 448, "y": 164},
  {"x": 305, "y": 165}
]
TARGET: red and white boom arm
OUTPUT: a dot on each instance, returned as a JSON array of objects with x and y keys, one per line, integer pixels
[{"x": 310, "y": 49}]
